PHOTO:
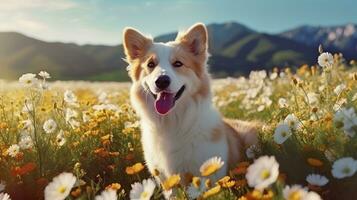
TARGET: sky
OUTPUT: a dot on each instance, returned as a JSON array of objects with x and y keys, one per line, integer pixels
[{"x": 102, "y": 21}]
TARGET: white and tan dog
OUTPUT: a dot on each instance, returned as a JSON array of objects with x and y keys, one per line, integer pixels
[{"x": 171, "y": 93}]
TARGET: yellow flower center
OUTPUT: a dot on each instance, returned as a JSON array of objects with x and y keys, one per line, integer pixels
[
  {"x": 28, "y": 81},
  {"x": 265, "y": 174},
  {"x": 210, "y": 169},
  {"x": 144, "y": 195},
  {"x": 62, "y": 189},
  {"x": 292, "y": 123},
  {"x": 296, "y": 195},
  {"x": 284, "y": 134},
  {"x": 346, "y": 170}
]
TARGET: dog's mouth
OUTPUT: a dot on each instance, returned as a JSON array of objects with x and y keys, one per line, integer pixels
[{"x": 165, "y": 101}]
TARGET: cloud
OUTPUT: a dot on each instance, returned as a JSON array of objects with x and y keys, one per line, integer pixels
[
  {"x": 20, "y": 22},
  {"x": 17, "y": 5}
]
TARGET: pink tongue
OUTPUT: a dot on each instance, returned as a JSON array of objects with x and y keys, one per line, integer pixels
[{"x": 164, "y": 102}]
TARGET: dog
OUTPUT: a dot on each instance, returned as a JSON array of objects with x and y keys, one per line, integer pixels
[{"x": 171, "y": 93}]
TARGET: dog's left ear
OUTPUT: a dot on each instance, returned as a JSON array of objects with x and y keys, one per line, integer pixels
[
  {"x": 135, "y": 43},
  {"x": 195, "y": 38}
]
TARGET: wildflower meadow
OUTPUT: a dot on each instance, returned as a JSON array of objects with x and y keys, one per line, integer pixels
[{"x": 81, "y": 140}]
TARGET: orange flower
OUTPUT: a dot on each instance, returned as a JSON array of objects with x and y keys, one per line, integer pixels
[
  {"x": 315, "y": 162},
  {"x": 113, "y": 186},
  {"x": 26, "y": 169},
  {"x": 3, "y": 125},
  {"x": 136, "y": 168},
  {"x": 77, "y": 192},
  {"x": 101, "y": 152},
  {"x": 114, "y": 153},
  {"x": 240, "y": 170}
]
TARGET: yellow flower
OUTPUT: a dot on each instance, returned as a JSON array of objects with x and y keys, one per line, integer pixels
[
  {"x": 212, "y": 191},
  {"x": 315, "y": 162},
  {"x": 226, "y": 182},
  {"x": 171, "y": 182},
  {"x": 196, "y": 182},
  {"x": 260, "y": 195},
  {"x": 211, "y": 166},
  {"x": 113, "y": 186},
  {"x": 136, "y": 168}
]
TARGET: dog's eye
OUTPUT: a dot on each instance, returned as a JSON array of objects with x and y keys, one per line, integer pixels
[
  {"x": 151, "y": 64},
  {"x": 177, "y": 64}
]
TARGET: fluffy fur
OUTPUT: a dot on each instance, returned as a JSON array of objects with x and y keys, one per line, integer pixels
[{"x": 193, "y": 130}]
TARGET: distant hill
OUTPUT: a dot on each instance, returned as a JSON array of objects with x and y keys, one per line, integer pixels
[
  {"x": 235, "y": 49},
  {"x": 334, "y": 38}
]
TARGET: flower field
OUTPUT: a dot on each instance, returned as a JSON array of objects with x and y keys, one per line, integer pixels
[{"x": 80, "y": 140}]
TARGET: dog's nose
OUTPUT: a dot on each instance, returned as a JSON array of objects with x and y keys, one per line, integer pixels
[{"x": 163, "y": 82}]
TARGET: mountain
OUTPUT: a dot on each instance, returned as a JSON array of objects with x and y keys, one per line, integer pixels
[
  {"x": 235, "y": 49},
  {"x": 334, "y": 38},
  {"x": 20, "y": 54}
]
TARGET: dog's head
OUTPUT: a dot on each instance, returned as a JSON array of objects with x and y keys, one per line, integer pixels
[{"x": 168, "y": 72}]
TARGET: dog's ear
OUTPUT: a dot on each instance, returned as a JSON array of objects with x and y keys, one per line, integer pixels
[
  {"x": 195, "y": 38},
  {"x": 135, "y": 43}
]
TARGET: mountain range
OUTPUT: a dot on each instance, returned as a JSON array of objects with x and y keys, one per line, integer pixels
[{"x": 235, "y": 50}]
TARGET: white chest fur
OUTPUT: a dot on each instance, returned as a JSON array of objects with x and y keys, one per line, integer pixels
[{"x": 181, "y": 141}]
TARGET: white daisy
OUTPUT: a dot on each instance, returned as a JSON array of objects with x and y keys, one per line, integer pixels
[
  {"x": 28, "y": 79},
  {"x": 49, "y": 126},
  {"x": 44, "y": 74},
  {"x": 60, "y": 139},
  {"x": 107, "y": 195},
  {"x": 273, "y": 76},
  {"x": 344, "y": 167},
  {"x": 85, "y": 117},
  {"x": 295, "y": 192},
  {"x": 60, "y": 187},
  {"x": 142, "y": 191},
  {"x": 346, "y": 119},
  {"x": 312, "y": 196},
  {"x": 339, "y": 104},
  {"x": 293, "y": 122},
  {"x": 282, "y": 133},
  {"x": 316, "y": 179},
  {"x": 13, "y": 150},
  {"x": 282, "y": 103},
  {"x": 26, "y": 142},
  {"x": 70, "y": 114},
  {"x": 4, "y": 196},
  {"x": 167, "y": 194},
  {"x": 325, "y": 60},
  {"x": 69, "y": 97},
  {"x": 339, "y": 89},
  {"x": 263, "y": 172},
  {"x": 211, "y": 165}
]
